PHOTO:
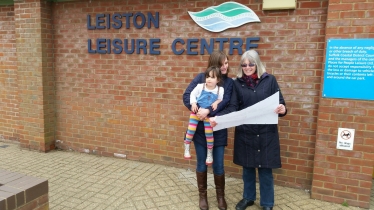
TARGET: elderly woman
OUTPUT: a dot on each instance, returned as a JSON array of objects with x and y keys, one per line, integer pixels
[{"x": 255, "y": 146}]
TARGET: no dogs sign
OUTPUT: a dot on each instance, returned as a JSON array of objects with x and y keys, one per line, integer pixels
[{"x": 345, "y": 138}]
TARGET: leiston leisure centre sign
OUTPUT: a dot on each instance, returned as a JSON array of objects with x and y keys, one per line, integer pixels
[{"x": 216, "y": 19}]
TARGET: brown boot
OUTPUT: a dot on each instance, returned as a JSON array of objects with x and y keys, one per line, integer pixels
[
  {"x": 219, "y": 181},
  {"x": 202, "y": 185}
]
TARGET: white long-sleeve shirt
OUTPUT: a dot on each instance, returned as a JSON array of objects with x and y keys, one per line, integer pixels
[{"x": 196, "y": 92}]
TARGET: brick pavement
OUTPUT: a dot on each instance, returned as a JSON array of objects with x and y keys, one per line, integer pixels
[{"x": 83, "y": 181}]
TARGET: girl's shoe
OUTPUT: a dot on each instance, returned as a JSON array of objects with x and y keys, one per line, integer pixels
[
  {"x": 209, "y": 157},
  {"x": 187, "y": 154}
]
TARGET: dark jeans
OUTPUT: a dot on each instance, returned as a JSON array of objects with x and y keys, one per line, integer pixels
[
  {"x": 218, "y": 153},
  {"x": 265, "y": 176}
]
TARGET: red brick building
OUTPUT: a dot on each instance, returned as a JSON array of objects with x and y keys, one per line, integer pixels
[{"x": 52, "y": 88}]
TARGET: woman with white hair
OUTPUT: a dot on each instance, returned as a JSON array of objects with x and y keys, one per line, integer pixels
[{"x": 255, "y": 146}]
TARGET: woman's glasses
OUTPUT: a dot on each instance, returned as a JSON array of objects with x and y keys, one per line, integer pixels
[{"x": 245, "y": 65}]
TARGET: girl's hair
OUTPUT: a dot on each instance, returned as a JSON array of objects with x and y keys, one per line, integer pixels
[
  {"x": 217, "y": 58},
  {"x": 253, "y": 57},
  {"x": 216, "y": 71}
]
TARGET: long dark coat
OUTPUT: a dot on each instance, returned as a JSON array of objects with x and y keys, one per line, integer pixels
[
  {"x": 220, "y": 137},
  {"x": 255, "y": 146}
]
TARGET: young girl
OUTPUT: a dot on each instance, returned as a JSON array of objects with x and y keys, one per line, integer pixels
[{"x": 205, "y": 94}]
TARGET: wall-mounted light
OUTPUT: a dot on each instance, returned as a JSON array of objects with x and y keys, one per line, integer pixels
[
  {"x": 278, "y": 4},
  {"x": 6, "y": 2},
  {"x": 61, "y": 0}
]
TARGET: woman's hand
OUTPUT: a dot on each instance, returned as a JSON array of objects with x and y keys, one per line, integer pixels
[
  {"x": 212, "y": 121},
  {"x": 281, "y": 109},
  {"x": 202, "y": 113}
]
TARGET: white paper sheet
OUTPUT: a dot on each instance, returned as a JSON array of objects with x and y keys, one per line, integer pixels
[{"x": 259, "y": 113}]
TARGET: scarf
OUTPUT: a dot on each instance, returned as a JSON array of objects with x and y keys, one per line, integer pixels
[{"x": 251, "y": 80}]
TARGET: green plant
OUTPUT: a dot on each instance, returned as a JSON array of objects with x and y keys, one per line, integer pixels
[{"x": 345, "y": 204}]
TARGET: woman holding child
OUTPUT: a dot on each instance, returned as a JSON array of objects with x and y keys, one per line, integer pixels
[{"x": 218, "y": 59}]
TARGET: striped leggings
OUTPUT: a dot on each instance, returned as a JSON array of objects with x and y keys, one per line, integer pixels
[{"x": 194, "y": 120}]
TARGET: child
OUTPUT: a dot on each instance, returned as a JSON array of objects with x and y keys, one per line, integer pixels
[{"x": 205, "y": 94}]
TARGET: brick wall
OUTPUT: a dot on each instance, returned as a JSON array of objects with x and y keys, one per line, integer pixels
[
  {"x": 35, "y": 74},
  {"x": 131, "y": 104},
  {"x": 8, "y": 76},
  {"x": 342, "y": 175},
  {"x": 49, "y": 83}
]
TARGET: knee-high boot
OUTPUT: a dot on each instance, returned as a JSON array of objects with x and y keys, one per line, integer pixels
[
  {"x": 219, "y": 181},
  {"x": 202, "y": 186}
]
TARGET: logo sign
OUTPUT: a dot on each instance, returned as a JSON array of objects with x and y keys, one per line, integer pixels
[
  {"x": 345, "y": 138},
  {"x": 224, "y": 16}
]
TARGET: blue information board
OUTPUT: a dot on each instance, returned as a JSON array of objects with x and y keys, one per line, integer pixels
[{"x": 349, "y": 69}]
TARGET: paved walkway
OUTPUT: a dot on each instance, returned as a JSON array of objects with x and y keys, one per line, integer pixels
[{"x": 82, "y": 181}]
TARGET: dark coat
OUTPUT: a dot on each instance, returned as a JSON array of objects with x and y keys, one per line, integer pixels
[
  {"x": 255, "y": 145},
  {"x": 220, "y": 137}
]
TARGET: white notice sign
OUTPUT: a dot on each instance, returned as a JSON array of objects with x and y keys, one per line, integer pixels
[{"x": 346, "y": 137}]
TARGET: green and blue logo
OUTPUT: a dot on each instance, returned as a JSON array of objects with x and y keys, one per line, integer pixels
[{"x": 224, "y": 16}]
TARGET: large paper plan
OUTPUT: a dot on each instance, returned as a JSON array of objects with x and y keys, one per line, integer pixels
[{"x": 259, "y": 113}]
